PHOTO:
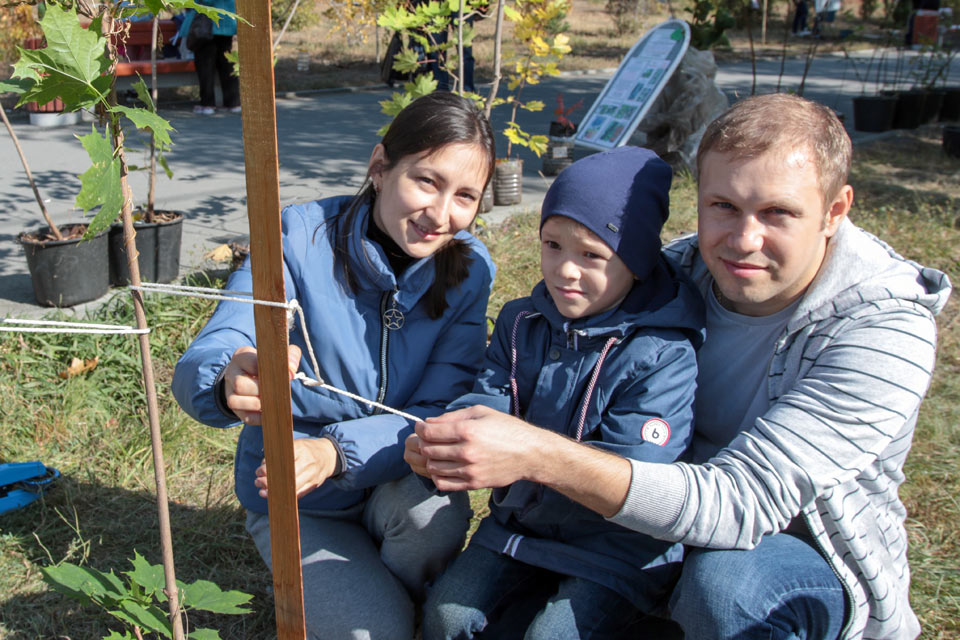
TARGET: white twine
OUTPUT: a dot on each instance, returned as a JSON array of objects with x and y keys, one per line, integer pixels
[
  {"x": 310, "y": 382},
  {"x": 206, "y": 293},
  {"x": 292, "y": 306},
  {"x": 56, "y": 326}
]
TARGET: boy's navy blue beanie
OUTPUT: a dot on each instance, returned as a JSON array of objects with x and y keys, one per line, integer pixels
[{"x": 621, "y": 195}]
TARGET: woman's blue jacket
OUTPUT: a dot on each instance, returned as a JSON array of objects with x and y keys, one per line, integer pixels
[
  {"x": 640, "y": 407},
  {"x": 225, "y": 26},
  {"x": 418, "y": 368}
]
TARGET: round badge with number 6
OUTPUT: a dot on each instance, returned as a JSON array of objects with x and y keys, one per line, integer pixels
[{"x": 656, "y": 431}]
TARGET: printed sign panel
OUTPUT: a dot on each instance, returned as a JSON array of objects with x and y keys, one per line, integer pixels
[{"x": 645, "y": 70}]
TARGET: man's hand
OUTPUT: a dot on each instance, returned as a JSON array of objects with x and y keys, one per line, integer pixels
[
  {"x": 242, "y": 383},
  {"x": 479, "y": 448},
  {"x": 314, "y": 460},
  {"x": 474, "y": 448}
]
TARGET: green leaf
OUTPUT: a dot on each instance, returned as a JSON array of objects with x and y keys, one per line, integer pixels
[
  {"x": 422, "y": 85},
  {"x": 512, "y": 14},
  {"x": 149, "y": 577},
  {"x": 149, "y": 617},
  {"x": 396, "y": 103},
  {"x": 15, "y": 86},
  {"x": 83, "y": 583},
  {"x": 513, "y": 135},
  {"x": 207, "y": 596},
  {"x": 147, "y": 120},
  {"x": 143, "y": 94},
  {"x": 533, "y": 105},
  {"x": 538, "y": 144},
  {"x": 124, "y": 617},
  {"x": 204, "y": 634},
  {"x": 162, "y": 160},
  {"x": 115, "y": 635},
  {"x": 406, "y": 61},
  {"x": 73, "y": 65},
  {"x": 398, "y": 18},
  {"x": 100, "y": 184}
]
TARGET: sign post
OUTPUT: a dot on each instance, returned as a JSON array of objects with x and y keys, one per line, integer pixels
[{"x": 630, "y": 93}]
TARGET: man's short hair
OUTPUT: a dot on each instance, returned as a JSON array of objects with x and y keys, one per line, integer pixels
[{"x": 784, "y": 122}]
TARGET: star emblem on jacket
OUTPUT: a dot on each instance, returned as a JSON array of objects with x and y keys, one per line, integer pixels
[{"x": 393, "y": 319}]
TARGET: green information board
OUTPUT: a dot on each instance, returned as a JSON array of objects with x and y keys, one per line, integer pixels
[{"x": 629, "y": 94}]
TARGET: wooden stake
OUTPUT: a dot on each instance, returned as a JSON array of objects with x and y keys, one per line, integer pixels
[
  {"x": 146, "y": 362},
  {"x": 266, "y": 256}
]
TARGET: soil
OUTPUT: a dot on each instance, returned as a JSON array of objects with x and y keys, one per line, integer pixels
[
  {"x": 159, "y": 216},
  {"x": 43, "y": 236}
]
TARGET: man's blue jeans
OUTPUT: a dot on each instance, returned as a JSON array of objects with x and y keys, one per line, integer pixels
[
  {"x": 490, "y": 595},
  {"x": 781, "y": 589}
]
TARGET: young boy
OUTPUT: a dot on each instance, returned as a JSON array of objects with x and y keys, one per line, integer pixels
[{"x": 603, "y": 351}]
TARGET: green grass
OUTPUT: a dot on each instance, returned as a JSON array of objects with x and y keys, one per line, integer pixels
[
  {"x": 93, "y": 427},
  {"x": 909, "y": 195}
]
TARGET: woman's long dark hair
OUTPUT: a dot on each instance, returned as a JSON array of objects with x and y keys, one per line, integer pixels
[{"x": 427, "y": 124}]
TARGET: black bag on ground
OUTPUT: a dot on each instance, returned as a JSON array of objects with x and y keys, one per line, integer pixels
[{"x": 200, "y": 32}]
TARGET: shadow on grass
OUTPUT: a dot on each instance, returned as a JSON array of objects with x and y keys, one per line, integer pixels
[{"x": 105, "y": 525}]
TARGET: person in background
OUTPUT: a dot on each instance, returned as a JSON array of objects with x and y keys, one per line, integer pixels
[
  {"x": 394, "y": 293},
  {"x": 211, "y": 61},
  {"x": 801, "y": 10},
  {"x": 440, "y": 73}
]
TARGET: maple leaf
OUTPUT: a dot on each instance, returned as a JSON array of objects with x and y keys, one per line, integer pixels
[
  {"x": 100, "y": 184},
  {"x": 73, "y": 66},
  {"x": 78, "y": 366}
]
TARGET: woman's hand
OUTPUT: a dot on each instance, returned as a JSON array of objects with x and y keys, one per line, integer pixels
[
  {"x": 314, "y": 460},
  {"x": 242, "y": 385}
]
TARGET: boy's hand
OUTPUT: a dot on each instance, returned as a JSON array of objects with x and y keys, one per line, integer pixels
[{"x": 413, "y": 457}]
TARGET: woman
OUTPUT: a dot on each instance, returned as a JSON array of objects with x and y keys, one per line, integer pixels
[
  {"x": 394, "y": 292},
  {"x": 210, "y": 59}
]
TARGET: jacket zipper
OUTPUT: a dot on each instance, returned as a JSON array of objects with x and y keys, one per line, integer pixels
[
  {"x": 572, "y": 335},
  {"x": 848, "y": 593},
  {"x": 384, "y": 344}
]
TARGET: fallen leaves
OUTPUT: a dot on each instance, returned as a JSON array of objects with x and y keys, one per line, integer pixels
[
  {"x": 233, "y": 252},
  {"x": 78, "y": 367}
]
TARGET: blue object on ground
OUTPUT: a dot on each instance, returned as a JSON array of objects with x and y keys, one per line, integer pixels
[{"x": 23, "y": 482}]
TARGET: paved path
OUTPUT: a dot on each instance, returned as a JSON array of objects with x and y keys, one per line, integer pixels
[{"x": 324, "y": 138}]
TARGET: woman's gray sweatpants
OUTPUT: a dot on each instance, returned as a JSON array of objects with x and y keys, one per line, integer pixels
[{"x": 365, "y": 567}]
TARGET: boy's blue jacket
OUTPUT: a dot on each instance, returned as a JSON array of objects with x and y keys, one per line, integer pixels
[
  {"x": 423, "y": 365},
  {"x": 649, "y": 373}
]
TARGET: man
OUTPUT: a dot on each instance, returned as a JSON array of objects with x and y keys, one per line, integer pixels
[{"x": 820, "y": 345}]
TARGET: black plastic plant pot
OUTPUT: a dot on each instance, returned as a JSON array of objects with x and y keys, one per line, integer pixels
[
  {"x": 158, "y": 244},
  {"x": 931, "y": 106},
  {"x": 67, "y": 272},
  {"x": 909, "y": 109},
  {"x": 950, "y": 108},
  {"x": 951, "y": 141},
  {"x": 873, "y": 113},
  {"x": 560, "y": 130}
]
